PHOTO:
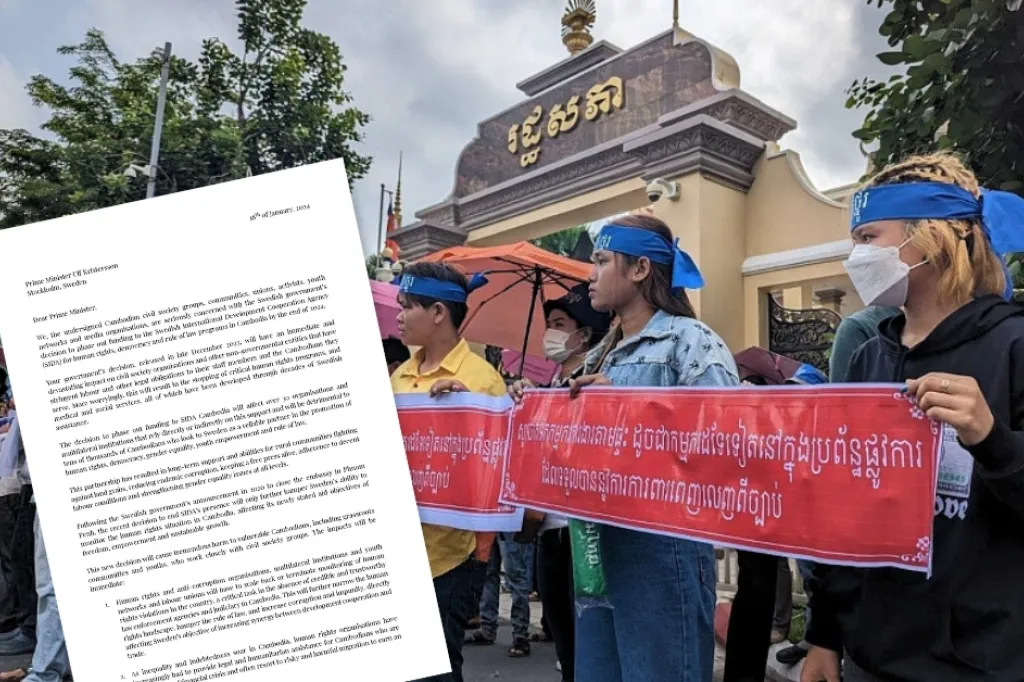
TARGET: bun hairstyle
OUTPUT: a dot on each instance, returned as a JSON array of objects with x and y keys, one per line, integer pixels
[
  {"x": 957, "y": 249},
  {"x": 657, "y": 289}
]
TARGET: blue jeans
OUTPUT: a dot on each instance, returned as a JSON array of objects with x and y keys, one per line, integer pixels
[
  {"x": 661, "y": 624},
  {"x": 454, "y": 592},
  {"x": 517, "y": 558},
  {"x": 50, "y": 661}
]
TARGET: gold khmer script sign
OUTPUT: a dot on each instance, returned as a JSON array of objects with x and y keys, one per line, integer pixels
[{"x": 601, "y": 99}]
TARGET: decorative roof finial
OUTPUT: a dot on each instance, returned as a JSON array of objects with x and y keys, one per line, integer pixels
[
  {"x": 675, "y": 14},
  {"x": 398, "y": 193},
  {"x": 577, "y": 21}
]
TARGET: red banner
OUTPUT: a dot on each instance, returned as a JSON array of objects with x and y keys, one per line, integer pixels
[
  {"x": 456, "y": 447},
  {"x": 838, "y": 474}
]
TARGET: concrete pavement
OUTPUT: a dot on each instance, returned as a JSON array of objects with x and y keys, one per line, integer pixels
[{"x": 490, "y": 663}]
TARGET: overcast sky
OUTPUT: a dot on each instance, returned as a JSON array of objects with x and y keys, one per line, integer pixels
[{"x": 427, "y": 72}]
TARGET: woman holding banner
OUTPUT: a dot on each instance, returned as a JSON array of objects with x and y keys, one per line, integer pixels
[
  {"x": 652, "y": 617},
  {"x": 573, "y": 329},
  {"x": 927, "y": 239}
]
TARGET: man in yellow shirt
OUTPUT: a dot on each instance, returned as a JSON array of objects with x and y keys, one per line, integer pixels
[{"x": 433, "y": 299}]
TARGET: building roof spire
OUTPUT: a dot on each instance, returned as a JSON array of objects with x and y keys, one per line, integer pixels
[
  {"x": 398, "y": 193},
  {"x": 577, "y": 20}
]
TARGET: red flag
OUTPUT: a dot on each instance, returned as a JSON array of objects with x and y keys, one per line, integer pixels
[
  {"x": 392, "y": 220},
  {"x": 391, "y": 227}
]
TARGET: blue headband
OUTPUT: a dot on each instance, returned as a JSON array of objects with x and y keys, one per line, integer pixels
[
  {"x": 440, "y": 290},
  {"x": 1001, "y": 214},
  {"x": 809, "y": 374},
  {"x": 633, "y": 241}
]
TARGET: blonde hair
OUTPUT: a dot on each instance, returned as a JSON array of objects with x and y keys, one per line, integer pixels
[{"x": 957, "y": 249}]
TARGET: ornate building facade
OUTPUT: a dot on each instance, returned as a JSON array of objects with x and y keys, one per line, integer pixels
[{"x": 664, "y": 124}]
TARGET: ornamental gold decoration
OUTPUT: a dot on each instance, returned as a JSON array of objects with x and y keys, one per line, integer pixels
[{"x": 577, "y": 20}]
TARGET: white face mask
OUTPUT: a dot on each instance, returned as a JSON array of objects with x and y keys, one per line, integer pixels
[
  {"x": 878, "y": 274},
  {"x": 556, "y": 346}
]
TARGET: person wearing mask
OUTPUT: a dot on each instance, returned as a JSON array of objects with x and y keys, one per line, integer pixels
[
  {"x": 573, "y": 329},
  {"x": 661, "y": 589},
  {"x": 433, "y": 298},
  {"x": 929, "y": 240}
]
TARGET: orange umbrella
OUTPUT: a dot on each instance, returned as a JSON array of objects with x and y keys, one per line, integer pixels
[{"x": 508, "y": 312}]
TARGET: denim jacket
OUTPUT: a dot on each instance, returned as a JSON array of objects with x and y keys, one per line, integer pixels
[{"x": 668, "y": 351}]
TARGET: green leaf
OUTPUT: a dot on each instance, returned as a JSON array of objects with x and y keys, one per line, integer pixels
[
  {"x": 963, "y": 18},
  {"x": 936, "y": 63},
  {"x": 918, "y": 47},
  {"x": 892, "y": 58}
]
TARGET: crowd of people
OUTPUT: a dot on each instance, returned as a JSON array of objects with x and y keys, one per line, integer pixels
[
  {"x": 927, "y": 262},
  {"x": 29, "y": 618}
]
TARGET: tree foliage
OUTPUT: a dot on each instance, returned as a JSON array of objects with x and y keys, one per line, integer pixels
[
  {"x": 561, "y": 243},
  {"x": 373, "y": 261},
  {"x": 279, "y": 103},
  {"x": 962, "y": 90},
  {"x": 285, "y": 89}
]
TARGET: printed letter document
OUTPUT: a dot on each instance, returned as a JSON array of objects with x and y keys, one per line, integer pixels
[{"x": 212, "y": 439}]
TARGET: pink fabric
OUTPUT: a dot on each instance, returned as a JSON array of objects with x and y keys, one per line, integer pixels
[
  {"x": 385, "y": 302},
  {"x": 537, "y": 370}
]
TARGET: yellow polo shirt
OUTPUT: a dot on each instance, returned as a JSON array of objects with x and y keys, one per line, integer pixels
[{"x": 448, "y": 548}]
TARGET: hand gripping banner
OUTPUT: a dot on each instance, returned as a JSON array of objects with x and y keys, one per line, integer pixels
[
  {"x": 842, "y": 474},
  {"x": 456, "y": 446}
]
